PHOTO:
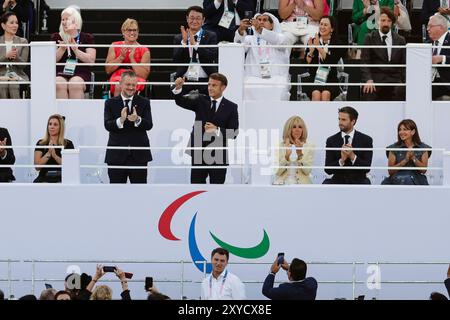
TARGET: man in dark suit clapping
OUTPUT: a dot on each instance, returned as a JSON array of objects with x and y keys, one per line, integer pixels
[
  {"x": 128, "y": 117},
  {"x": 216, "y": 121},
  {"x": 192, "y": 38},
  {"x": 386, "y": 56},
  {"x": 6, "y": 156},
  {"x": 347, "y": 158}
]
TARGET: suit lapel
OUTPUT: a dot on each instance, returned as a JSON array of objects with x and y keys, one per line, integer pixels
[
  {"x": 220, "y": 110},
  {"x": 383, "y": 51}
]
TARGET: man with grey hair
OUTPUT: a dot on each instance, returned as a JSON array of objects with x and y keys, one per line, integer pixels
[
  {"x": 48, "y": 294},
  {"x": 438, "y": 32}
]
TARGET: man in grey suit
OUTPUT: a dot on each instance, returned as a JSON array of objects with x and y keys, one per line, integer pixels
[{"x": 372, "y": 75}]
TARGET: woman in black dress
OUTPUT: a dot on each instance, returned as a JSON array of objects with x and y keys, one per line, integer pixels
[{"x": 44, "y": 154}]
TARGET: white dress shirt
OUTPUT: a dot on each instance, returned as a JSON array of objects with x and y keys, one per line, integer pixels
[
  {"x": 388, "y": 42},
  {"x": 350, "y": 141},
  {"x": 440, "y": 44},
  {"x": 230, "y": 288}
]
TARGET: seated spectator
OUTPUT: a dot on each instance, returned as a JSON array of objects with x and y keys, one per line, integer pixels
[
  {"x": 48, "y": 294},
  {"x": 224, "y": 17},
  {"x": 195, "y": 35},
  {"x": 324, "y": 55},
  {"x": 365, "y": 16},
  {"x": 19, "y": 9},
  {"x": 263, "y": 75},
  {"x": 430, "y": 7},
  {"x": 438, "y": 33},
  {"x": 63, "y": 295},
  {"x": 6, "y": 156},
  {"x": 73, "y": 74},
  {"x": 130, "y": 31},
  {"x": 373, "y": 56},
  {"x": 295, "y": 134},
  {"x": 301, "y": 18},
  {"x": 409, "y": 139},
  {"x": 298, "y": 288},
  {"x": 347, "y": 139},
  {"x": 11, "y": 53},
  {"x": 44, "y": 154}
]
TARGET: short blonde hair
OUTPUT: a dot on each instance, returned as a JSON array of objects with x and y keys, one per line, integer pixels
[
  {"x": 129, "y": 22},
  {"x": 102, "y": 293},
  {"x": 287, "y": 131},
  {"x": 75, "y": 15}
]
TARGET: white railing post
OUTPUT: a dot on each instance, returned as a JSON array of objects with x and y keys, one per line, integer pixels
[
  {"x": 71, "y": 166},
  {"x": 446, "y": 160},
  {"x": 43, "y": 88},
  {"x": 418, "y": 88},
  {"x": 231, "y": 64}
]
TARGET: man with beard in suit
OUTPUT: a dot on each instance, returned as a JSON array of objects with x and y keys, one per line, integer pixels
[
  {"x": 348, "y": 138},
  {"x": 373, "y": 56}
]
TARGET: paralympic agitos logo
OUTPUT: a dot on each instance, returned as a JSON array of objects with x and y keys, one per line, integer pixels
[{"x": 164, "y": 229}]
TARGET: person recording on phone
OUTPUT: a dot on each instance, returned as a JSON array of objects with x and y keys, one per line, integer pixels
[
  {"x": 105, "y": 292},
  {"x": 299, "y": 286},
  {"x": 222, "y": 284},
  {"x": 259, "y": 60},
  {"x": 195, "y": 35}
]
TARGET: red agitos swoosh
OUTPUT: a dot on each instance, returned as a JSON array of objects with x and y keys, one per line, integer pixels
[{"x": 166, "y": 217}]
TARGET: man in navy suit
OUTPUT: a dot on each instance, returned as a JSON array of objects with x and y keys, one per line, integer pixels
[
  {"x": 128, "y": 117},
  {"x": 347, "y": 139},
  {"x": 225, "y": 22},
  {"x": 438, "y": 32},
  {"x": 298, "y": 288},
  {"x": 370, "y": 75},
  {"x": 6, "y": 156},
  {"x": 195, "y": 35},
  {"x": 216, "y": 121}
]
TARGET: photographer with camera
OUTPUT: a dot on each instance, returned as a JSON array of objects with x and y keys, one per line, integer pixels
[{"x": 298, "y": 288}]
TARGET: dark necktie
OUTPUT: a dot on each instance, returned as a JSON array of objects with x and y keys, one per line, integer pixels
[
  {"x": 383, "y": 38},
  {"x": 436, "y": 47},
  {"x": 213, "y": 107},
  {"x": 346, "y": 139},
  {"x": 127, "y": 104}
]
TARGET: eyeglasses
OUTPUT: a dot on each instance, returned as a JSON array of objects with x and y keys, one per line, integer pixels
[
  {"x": 195, "y": 18},
  {"x": 131, "y": 30}
]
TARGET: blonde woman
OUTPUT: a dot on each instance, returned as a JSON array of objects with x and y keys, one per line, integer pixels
[
  {"x": 130, "y": 32},
  {"x": 295, "y": 134},
  {"x": 44, "y": 154},
  {"x": 102, "y": 293},
  {"x": 73, "y": 74}
]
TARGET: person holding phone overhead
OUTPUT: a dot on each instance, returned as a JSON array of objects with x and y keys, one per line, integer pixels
[{"x": 299, "y": 286}]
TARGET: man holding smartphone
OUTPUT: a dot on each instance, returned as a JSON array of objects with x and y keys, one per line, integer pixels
[{"x": 298, "y": 288}]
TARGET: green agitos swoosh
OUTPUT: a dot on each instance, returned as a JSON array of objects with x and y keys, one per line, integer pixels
[{"x": 249, "y": 253}]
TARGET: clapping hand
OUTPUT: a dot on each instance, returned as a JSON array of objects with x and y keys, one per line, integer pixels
[
  {"x": 184, "y": 34},
  {"x": 210, "y": 128},
  {"x": 134, "y": 116},
  {"x": 179, "y": 83},
  {"x": 123, "y": 114}
]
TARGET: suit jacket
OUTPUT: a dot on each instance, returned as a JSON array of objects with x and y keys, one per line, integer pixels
[
  {"x": 301, "y": 174},
  {"x": 380, "y": 56},
  {"x": 298, "y": 290},
  {"x": 129, "y": 135},
  {"x": 444, "y": 72},
  {"x": 226, "y": 118},
  {"x": 363, "y": 158},
  {"x": 22, "y": 56},
  {"x": 213, "y": 15},
  {"x": 205, "y": 55},
  {"x": 6, "y": 174},
  {"x": 447, "y": 285}
]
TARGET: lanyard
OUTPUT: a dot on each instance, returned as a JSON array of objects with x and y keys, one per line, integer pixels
[
  {"x": 258, "y": 42},
  {"x": 191, "y": 49},
  {"x": 68, "y": 48},
  {"x": 221, "y": 287}
]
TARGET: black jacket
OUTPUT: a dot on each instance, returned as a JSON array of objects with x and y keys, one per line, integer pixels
[{"x": 6, "y": 174}]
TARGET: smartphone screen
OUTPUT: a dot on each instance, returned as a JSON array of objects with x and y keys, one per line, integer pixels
[
  {"x": 109, "y": 269},
  {"x": 280, "y": 258},
  {"x": 128, "y": 275},
  {"x": 148, "y": 282}
]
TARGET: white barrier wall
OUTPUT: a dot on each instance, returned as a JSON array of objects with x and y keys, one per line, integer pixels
[
  {"x": 315, "y": 223},
  {"x": 130, "y": 4}
]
